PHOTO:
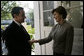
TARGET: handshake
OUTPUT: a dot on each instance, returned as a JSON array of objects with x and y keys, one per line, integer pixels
[{"x": 33, "y": 41}]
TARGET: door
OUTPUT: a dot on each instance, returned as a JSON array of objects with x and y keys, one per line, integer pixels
[
  {"x": 44, "y": 22},
  {"x": 75, "y": 17},
  {"x": 47, "y": 22}
]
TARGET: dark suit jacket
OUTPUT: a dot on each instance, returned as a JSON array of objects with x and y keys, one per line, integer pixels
[{"x": 17, "y": 40}]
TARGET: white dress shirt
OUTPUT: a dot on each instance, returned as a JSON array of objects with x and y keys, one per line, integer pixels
[{"x": 16, "y": 22}]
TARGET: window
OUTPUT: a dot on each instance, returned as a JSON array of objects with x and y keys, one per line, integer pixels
[{"x": 47, "y": 15}]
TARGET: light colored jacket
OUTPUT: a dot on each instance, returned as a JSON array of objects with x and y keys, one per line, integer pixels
[{"x": 63, "y": 38}]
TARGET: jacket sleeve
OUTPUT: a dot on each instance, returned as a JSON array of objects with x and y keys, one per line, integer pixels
[
  {"x": 47, "y": 39},
  {"x": 69, "y": 41}
]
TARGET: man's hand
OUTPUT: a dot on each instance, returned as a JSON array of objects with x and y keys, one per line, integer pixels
[{"x": 33, "y": 41}]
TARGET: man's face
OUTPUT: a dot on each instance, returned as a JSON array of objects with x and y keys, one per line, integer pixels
[{"x": 20, "y": 18}]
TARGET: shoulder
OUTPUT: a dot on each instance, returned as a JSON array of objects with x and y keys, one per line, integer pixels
[
  {"x": 67, "y": 25},
  {"x": 54, "y": 27},
  {"x": 9, "y": 27},
  {"x": 7, "y": 30}
]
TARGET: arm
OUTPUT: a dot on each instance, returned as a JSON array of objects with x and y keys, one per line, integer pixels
[
  {"x": 69, "y": 41},
  {"x": 47, "y": 39},
  {"x": 43, "y": 41}
]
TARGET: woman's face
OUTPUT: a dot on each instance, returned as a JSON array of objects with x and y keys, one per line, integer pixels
[{"x": 57, "y": 16}]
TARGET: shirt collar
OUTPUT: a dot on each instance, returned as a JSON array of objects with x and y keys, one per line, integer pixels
[
  {"x": 62, "y": 23},
  {"x": 16, "y": 22}
]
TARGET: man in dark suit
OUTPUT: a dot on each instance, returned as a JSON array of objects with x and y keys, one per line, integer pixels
[
  {"x": 1, "y": 39},
  {"x": 16, "y": 38}
]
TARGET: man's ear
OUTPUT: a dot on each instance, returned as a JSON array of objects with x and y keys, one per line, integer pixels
[{"x": 15, "y": 15}]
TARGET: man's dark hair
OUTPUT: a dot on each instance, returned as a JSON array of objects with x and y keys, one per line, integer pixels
[
  {"x": 61, "y": 10},
  {"x": 16, "y": 10}
]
